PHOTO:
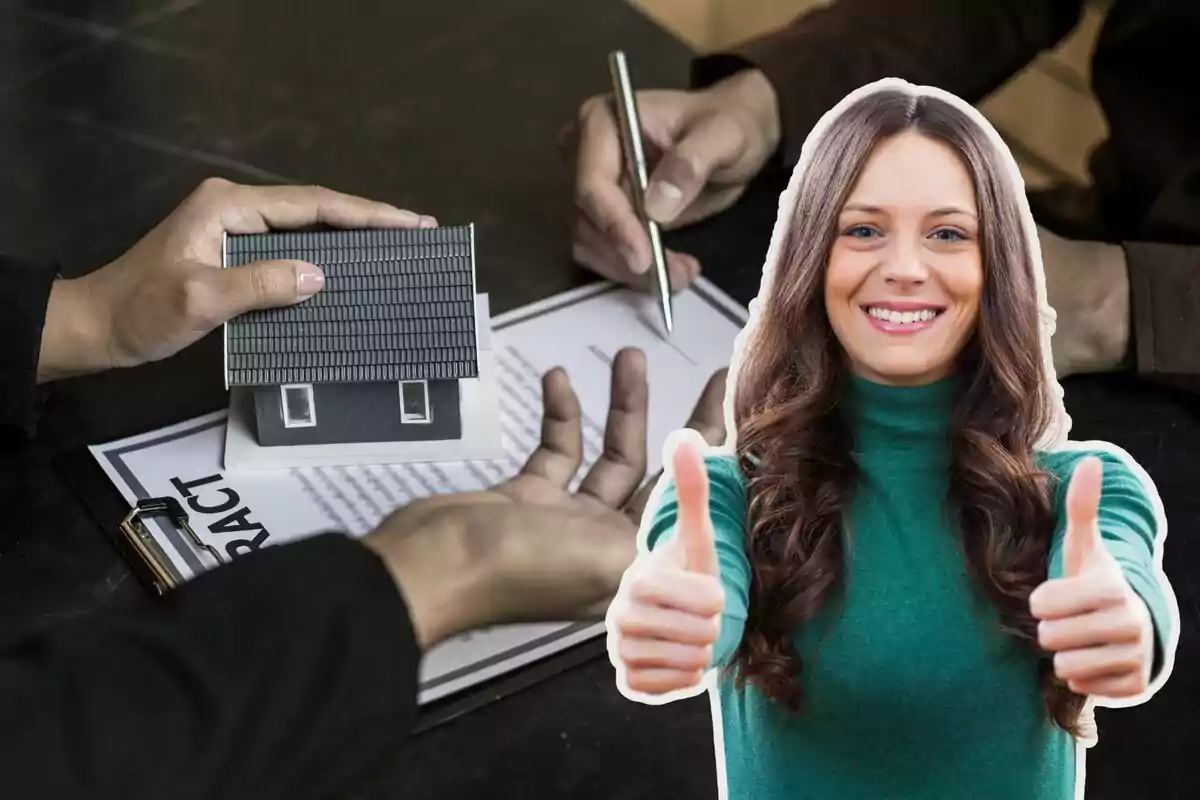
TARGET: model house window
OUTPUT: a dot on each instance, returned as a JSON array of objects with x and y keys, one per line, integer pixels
[
  {"x": 414, "y": 402},
  {"x": 298, "y": 408}
]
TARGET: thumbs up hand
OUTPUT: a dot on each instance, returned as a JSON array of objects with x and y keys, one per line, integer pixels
[
  {"x": 1098, "y": 628},
  {"x": 665, "y": 631}
]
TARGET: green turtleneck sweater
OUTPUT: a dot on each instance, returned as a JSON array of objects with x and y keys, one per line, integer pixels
[{"x": 913, "y": 692}]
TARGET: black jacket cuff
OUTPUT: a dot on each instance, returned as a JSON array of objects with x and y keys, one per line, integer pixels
[{"x": 24, "y": 295}]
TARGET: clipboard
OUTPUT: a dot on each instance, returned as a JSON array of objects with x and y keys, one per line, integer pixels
[
  {"x": 138, "y": 544},
  {"x": 124, "y": 528}
]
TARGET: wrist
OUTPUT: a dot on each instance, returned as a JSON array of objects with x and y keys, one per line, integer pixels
[
  {"x": 1104, "y": 320},
  {"x": 75, "y": 339},
  {"x": 440, "y": 576},
  {"x": 1114, "y": 317},
  {"x": 1087, "y": 284}
]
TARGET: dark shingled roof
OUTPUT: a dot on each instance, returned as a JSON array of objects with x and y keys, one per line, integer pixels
[{"x": 398, "y": 304}]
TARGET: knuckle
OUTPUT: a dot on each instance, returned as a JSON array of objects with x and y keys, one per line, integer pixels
[
  {"x": 259, "y": 281},
  {"x": 1132, "y": 661},
  {"x": 690, "y": 165},
  {"x": 587, "y": 199},
  {"x": 595, "y": 104},
  {"x": 1112, "y": 586},
  {"x": 697, "y": 657},
  {"x": 638, "y": 681},
  {"x": 269, "y": 283},
  {"x": 681, "y": 169},
  {"x": 197, "y": 300},
  {"x": 735, "y": 127},
  {"x": 1046, "y": 634},
  {"x": 617, "y": 454},
  {"x": 629, "y": 623},
  {"x": 643, "y": 587},
  {"x": 580, "y": 254},
  {"x": 213, "y": 186},
  {"x": 320, "y": 192},
  {"x": 716, "y": 603},
  {"x": 578, "y": 225},
  {"x": 1127, "y": 623},
  {"x": 1113, "y": 594}
]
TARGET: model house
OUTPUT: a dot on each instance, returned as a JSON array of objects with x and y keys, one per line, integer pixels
[{"x": 380, "y": 354}]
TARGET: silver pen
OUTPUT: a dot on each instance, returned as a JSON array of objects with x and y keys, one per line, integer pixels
[{"x": 639, "y": 177}]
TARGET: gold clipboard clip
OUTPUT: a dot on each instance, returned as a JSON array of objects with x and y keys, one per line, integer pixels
[{"x": 137, "y": 536}]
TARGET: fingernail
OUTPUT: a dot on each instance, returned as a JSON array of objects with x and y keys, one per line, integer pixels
[
  {"x": 636, "y": 265},
  {"x": 428, "y": 222},
  {"x": 309, "y": 279},
  {"x": 662, "y": 201}
]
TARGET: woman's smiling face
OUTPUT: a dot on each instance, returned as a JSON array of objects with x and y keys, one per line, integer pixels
[{"x": 905, "y": 273}]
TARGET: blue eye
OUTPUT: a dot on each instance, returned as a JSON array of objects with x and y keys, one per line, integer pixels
[
  {"x": 954, "y": 236},
  {"x": 860, "y": 231}
]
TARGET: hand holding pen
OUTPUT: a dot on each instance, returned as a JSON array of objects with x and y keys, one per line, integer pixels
[{"x": 702, "y": 147}]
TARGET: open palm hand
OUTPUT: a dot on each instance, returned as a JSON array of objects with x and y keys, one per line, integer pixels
[{"x": 532, "y": 548}]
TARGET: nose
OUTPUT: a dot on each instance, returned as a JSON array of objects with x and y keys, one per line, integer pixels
[{"x": 904, "y": 262}]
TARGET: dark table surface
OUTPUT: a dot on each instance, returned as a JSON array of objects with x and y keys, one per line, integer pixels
[{"x": 111, "y": 112}]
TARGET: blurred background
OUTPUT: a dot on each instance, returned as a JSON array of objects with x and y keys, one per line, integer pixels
[
  {"x": 1046, "y": 113},
  {"x": 129, "y": 102}
]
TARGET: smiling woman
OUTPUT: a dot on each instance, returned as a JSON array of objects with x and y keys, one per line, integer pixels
[{"x": 914, "y": 604}]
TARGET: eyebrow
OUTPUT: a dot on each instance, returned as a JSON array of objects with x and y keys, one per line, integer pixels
[{"x": 944, "y": 211}]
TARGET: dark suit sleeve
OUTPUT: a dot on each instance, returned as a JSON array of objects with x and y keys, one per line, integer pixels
[
  {"x": 1164, "y": 283},
  {"x": 1163, "y": 264},
  {"x": 966, "y": 47},
  {"x": 282, "y": 675},
  {"x": 24, "y": 293}
]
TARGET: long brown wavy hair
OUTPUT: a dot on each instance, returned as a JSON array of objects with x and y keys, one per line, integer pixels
[{"x": 796, "y": 450}]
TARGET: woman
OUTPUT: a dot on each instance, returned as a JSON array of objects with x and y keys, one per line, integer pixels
[{"x": 904, "y": 598}]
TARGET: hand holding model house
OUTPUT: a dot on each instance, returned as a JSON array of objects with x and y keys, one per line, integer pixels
[{"x": 168, "y": 291}]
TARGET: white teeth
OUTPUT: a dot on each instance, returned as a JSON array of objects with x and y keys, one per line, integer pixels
[{"x": 902, "y": 317}]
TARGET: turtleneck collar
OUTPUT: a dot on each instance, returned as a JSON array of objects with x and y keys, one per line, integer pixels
[{"x": 886, "y": 419}]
